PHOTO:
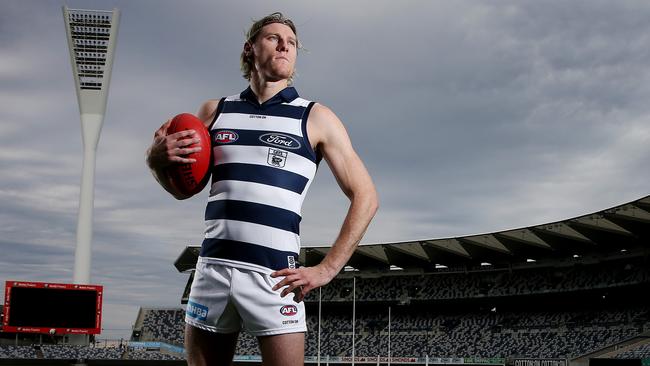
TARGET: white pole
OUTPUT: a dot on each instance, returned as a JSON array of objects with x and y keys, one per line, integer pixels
[
  {"x": 354, "y": 309},
  {"x": 319, "y": 312},
  {"x": 389, "y": 336},
  {"x": 91, "y": 125}
]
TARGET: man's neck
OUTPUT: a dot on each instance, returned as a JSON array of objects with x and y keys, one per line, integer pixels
[{"x": 265, "y": 90}]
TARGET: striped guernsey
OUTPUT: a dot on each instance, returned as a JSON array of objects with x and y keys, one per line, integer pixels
[{"x": 263, "y": 166}]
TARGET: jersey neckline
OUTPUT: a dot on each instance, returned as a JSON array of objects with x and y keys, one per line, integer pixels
[{"x": 287, "y": 95}]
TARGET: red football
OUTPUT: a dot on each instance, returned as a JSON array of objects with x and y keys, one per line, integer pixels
[{"x": 191, "y": 178}]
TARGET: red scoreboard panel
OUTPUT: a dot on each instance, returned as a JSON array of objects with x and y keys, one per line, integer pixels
[{"x": 52, "y": 308}]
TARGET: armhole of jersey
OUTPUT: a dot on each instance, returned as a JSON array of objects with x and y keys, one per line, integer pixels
[
  {"x": 218, "y": 112},
  {"x": 315, "y": 156}
]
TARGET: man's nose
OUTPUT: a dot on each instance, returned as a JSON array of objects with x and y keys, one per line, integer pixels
[{"x": 282, "y": 45}]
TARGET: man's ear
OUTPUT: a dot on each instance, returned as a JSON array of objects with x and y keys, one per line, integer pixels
[{"x": 248, "y": 49}]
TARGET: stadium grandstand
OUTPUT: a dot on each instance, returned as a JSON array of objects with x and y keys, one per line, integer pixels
[{"x": 571, "y": 292}]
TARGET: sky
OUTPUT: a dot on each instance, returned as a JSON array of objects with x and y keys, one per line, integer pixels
[{"x": 471, "y": 117}]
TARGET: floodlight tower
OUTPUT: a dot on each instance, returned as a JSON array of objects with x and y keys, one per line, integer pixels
[{"x": 92, "y": 35}]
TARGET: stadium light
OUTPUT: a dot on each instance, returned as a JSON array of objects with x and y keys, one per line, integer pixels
[
  {"x": 529, "y": 260},
  {"x": 485, "y": 264},
  {"x": 92, "y": 35}
]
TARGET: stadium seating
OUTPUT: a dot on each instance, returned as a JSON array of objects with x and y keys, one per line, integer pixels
[
  {"x": 639, "y": 352},
  {"x": 99, "y": 353},
  {"x": 416, "y": 332},
  {"x": 471, "y": 334},
  {"x": 10, "y": 352},
  {"x": 488, "y": 283},
  {"x": 69, "y": 352},
  {"x": 164, "y": 325},
  {"x": 81, "y": 352},
  {"x": 136, "y": 354},
  {"x": 539, "y": 313},
  {"x": 60, "y": 351}
]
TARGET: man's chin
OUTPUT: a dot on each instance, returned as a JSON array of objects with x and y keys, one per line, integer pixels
[{"x": 279, "y": 76}]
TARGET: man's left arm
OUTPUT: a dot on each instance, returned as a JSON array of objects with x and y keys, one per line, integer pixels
[{"x": 331, "y": 138}]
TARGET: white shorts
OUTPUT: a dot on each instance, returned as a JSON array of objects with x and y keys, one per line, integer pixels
[{"x": 225, "y": 299}]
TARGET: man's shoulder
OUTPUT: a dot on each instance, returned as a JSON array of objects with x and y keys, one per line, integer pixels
[
  {"x": 324, "y": 125},
  {"x": 207, "y": 110},
  {"x": 321, "y": 113}
]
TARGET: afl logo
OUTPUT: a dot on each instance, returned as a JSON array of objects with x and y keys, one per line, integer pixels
[
  {"x": 225, "y": 137},
  {"x": 280, "y": 140},
  {"x": 289, "y": 310}
]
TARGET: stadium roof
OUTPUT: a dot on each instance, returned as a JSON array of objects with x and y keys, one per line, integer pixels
[{"x": 622, "y": 230}]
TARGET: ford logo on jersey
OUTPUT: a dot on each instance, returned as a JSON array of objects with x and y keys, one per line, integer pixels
[
  {"x": 196, "y": 311},
  {"x": 280, "y": 140},
  {"x": 289, "y": 310},
  {"x": 225, "y": 137}
]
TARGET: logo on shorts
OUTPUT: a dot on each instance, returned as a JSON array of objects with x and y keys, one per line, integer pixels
[
  {"x": 277, "y": 158},
  {"x": 289, "y": 310},
  {"x": 196, "y": 311},
  {"x": 226, "y": 137},
  {"x": 292, "y": 261}
]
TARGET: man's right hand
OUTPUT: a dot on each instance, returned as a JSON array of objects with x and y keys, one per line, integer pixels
[
  {"x": 170, "y": 149},
  {"x": 166, "y": 150}
]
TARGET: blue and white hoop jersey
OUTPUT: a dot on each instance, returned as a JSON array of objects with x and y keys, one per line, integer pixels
[{"x": 263, "y": 166}]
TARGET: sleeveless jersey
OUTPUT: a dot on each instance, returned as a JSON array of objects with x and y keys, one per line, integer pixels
[{"x": 263, "y": 166}]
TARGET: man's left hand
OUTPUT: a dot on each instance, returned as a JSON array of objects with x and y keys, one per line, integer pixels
[{"x": 301, "y": 280}]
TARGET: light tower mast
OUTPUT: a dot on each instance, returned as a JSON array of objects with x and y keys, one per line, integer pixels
[{"x": 92, "y": 35}]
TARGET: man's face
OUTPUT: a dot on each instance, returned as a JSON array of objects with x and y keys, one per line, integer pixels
[{"x": 274, "y": 52}]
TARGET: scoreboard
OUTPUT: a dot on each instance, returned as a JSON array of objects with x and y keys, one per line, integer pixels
[{"x": 52, "y": 308}]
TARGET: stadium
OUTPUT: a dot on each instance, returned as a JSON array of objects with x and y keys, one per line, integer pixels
[
  {"x": 568, "y": 292},
  {"x": 571, "y": 292}
]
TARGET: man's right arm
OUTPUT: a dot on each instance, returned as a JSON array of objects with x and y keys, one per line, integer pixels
[{"x": 166, "y": 150}]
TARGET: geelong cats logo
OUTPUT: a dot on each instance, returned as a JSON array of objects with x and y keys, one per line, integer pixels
[{"x": 277, "y": 157}]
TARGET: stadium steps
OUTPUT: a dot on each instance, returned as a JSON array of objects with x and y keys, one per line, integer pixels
[
  {"x": 613, "y": 349},
  {"x": 139, "y": 320}
]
